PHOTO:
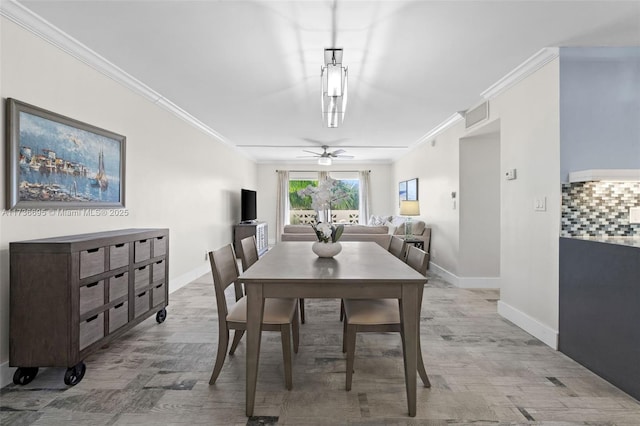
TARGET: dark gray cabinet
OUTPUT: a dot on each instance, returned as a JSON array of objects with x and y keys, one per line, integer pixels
[
  {"x": 259, "y": 229},
  {"x": 71, "y": 295},
  {"x": 599, "y": 312}
]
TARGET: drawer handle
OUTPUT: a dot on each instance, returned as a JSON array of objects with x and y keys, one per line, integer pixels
[
  {"x": 93, "y": 284},
  {"x": 119, "y": 305},
  {"x": 142, "y": 294},
  {"x": 119, "y": 245},
  {"x": 159, "y": 285},
  {"x": 93, "y": 250},
  {"x": 142, "y": 241},
  {"x": 119, "y": 275},
  {"x": 142, "y": 268},
  {"x": 159, "y": 238},
  {"x": 95, "y": 317},
  {"x": 159, "y": 262}
]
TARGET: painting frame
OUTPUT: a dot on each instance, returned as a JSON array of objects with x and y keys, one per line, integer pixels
[
  {"x": 402, "y": 191},
  {"x": 24, "y": 194}
]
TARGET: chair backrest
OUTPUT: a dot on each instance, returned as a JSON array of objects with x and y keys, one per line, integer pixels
[
  {"x": 249, "y": 252},
  {"x": 418, "y": 260},
  {"x": 397, "y": 246},
  {"x": 225, "y": 272}
]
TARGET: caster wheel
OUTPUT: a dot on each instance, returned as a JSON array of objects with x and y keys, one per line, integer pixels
[
  {"x": 74, "y": 374},
  {"x": 161, "y": 316},
  {"x": 24, "y": 375}
]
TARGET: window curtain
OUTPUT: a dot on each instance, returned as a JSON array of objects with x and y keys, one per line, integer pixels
[
  {"x": 365, "y": 196},
  {"x": 282, "y": 207}
]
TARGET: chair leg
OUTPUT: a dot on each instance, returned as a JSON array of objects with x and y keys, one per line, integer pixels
[
  {"x": 285, "y": 335},
  {"x": 301, "y": 310},
  {"x": 295, "y": 326},
  {"x": 421, "y": 370},
  {"x": 223, "y": 342},
  {"x": 341, "y": 310},
  {"x": 351, "y": 353},
  {"x": 237, "y": 336}
]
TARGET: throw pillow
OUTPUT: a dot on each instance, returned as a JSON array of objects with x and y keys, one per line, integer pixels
[
  {"x": 377, "y": 220},
  {"x": 391, "y": 226}
]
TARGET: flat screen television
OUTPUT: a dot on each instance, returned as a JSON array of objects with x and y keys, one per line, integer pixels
[{"x": 248, "y": 206}]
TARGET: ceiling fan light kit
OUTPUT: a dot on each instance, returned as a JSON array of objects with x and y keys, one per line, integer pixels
[
  {"x": 324, "y": 161},
  {"x": 333, "y": 77}
]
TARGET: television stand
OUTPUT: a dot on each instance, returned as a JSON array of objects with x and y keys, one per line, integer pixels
[{"x": 257, "y": 229}]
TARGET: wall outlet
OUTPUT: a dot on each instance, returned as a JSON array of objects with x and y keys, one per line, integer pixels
[
  {"x": 634, "y": 215},
  {"x": 206, "y": 255}
]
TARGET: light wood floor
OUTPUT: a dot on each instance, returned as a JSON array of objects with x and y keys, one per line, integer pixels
[{"x": 484, "y": 371}]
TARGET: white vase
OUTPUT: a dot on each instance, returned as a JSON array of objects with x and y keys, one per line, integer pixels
[{"x": 326, "y": 249}]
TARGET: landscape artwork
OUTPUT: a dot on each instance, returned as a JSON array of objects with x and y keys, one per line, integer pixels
[{"x": 60, "y": 162}]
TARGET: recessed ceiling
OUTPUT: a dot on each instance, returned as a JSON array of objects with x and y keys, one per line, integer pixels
[{"x": 250, "y": 70}]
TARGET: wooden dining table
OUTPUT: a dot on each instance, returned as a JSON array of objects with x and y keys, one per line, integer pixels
[{"x": 363, "y": 270}]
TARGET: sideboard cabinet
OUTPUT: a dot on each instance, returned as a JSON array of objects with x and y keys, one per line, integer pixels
[
  {"x": 257, "y": 229},
  {"x": 72, "y": 295}
]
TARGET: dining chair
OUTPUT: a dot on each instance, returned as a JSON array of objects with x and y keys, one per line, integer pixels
[
  {"x": 249, "y": 256},
  {"x": 381, "y": 315},
  {"x": 397, "y": 247},
  {"x": 279, "y": 314}
]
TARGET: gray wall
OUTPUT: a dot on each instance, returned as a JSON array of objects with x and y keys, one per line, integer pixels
[{"x": 599, "y": 109}]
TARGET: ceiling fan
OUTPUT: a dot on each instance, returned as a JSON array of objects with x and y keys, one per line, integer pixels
[{"x": 326, "y": 157}]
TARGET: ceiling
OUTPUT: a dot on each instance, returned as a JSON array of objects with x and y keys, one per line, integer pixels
[{"x": 250, "y": 70}]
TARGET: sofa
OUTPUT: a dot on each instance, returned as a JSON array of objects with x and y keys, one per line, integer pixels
[{"x": 379, "y": 233}]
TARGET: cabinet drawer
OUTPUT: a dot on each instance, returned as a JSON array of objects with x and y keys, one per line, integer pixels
[
  {"x": 158, "y": 270},
  {"x": 91, "y": 296},
  {"x": 118, "y": 316},
  {"x": 142, "y": 303},
  {"x": 118, "y": 256},
  {"x": 159, "y": 246},
  {"x": 158, "y": 295},
  {"x": 91, "y": 330},
  {"x": 141, "y": 277},
  {"x": 141, "y": 250},
  {"x": 91, "y": 262},
  {"x": 118, "y": 286}
]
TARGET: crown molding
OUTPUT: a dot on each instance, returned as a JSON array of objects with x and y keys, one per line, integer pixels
[
  {"x": 522, "y": 71},
  {"x": 33, "y": 23},
  {"x": 453, "y": 119}
]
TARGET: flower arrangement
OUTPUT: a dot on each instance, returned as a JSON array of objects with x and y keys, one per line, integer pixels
[{"x": 328, "y": 233}]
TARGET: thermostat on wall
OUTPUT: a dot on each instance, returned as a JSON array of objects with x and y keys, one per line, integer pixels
[{"x": 510, "y": 174}]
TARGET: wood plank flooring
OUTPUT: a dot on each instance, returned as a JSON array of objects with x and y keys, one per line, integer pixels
[{"x": 483, "y": 370}]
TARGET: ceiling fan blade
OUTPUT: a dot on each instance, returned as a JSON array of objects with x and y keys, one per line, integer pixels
[
  {"x": 338, "y": 152},
  {"x": 307, "y": 156},
  {"x": 345, "y": 156},
  {"x": 311, "y": 152}
]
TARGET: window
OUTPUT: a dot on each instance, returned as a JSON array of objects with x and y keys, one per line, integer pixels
[{"x": 345, "y": 210}]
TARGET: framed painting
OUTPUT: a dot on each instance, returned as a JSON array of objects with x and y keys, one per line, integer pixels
[
  {"x": 58, "y": 162},
  {"x": 412, "y": 190}
]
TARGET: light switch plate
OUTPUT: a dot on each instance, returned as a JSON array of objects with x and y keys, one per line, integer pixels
[{"x": 540, "y": 204}]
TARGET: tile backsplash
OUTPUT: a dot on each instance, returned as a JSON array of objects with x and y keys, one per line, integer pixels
[{"x": 599, "y": 208}]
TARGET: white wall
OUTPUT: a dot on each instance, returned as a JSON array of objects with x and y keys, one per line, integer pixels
[
  {"x": 381, "y": 188},
  {"x": 528, "y": 113},
  {"x": 479, "y": 204},
  {"x": 176, "y": 176},
  {"x": 530, "y": 143},
  {"x": 436, "y": 166}
]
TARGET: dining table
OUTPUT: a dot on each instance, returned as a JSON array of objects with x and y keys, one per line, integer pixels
[{"x": 362, "y": 270}]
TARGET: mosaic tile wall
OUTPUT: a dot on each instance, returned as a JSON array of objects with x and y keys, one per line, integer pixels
[{"x": 599, "y": 208}]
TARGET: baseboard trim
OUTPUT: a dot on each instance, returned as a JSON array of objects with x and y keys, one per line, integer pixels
[
  {"x": 6, "y": 374},
  {"x": 529, "y": 324},
  {"x": 184, "y": 279},
  {"x": 443, "y": 273},
  {"x": 464, "y": 282}
]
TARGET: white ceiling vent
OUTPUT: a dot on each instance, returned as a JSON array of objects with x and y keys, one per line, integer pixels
[{"x": 476, "y": 115}]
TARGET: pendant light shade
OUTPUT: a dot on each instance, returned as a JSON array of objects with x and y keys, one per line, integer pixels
[{"x": 333, "y": 78}]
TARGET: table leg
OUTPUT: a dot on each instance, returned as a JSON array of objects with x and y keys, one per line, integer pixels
[
  {"x": 255, "y": 310},
  {"x": 409, "y": 322}
]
